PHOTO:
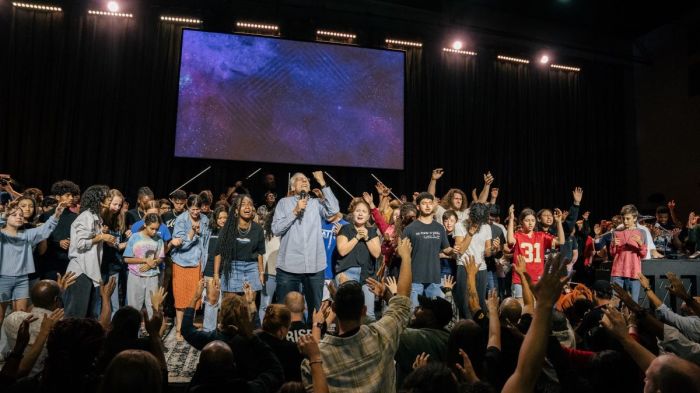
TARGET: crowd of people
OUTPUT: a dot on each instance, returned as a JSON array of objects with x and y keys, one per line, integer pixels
[{"x": 432, "y": 293}]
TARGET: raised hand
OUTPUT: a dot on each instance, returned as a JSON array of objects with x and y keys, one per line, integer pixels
[
  {"x": 309, "y": 347},
  {"x": 466, "y": 369},
  {"x": 550, "y": 285},
  {"x": 60, "y": 208},
  {"x": 391, "y": 284},
  {"x": 421, "y": 360},
  {"x": 318, "y": 175},
  {"x": 23, "y": 335},
  {"x": 643, "y": 280},
  {"x": 578, "y": 195},
  {"x": 558, "y": 215},
  {"x": 520, "y": 266},
  {"x": 153, "y": 324},
  {"x": 437, "y": 173},
  {"x": 404, "y": 249},
  {"x": 369, "y": 199},
  {"x": 614, "y": 322},
  {"x": 331, "y": 288},
  {"x": 157, "y": 298},
  {"x": 319, "y": 316},
  {"x": 676, "y": 287},
  {"x": 375, "y": 286},
  {"x": 448, "y": 282},
  {"x": 49, "y": 320},
  {"x": 626, "y": 298},
  {"x": 106, "y": 289},
  {"x": 492, "y": 302},
  {"x": 488, "y": 178},
  {"x": 65, "y": 281},
  {"x": 248, "y": 293},
  {"x": 511, "y": 212}
]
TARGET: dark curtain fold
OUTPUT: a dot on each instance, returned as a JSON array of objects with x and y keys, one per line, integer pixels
[{"x": 93, "y": 99}]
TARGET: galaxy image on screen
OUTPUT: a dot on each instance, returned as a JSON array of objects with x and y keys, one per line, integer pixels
[{"x": 251, "y": 98}]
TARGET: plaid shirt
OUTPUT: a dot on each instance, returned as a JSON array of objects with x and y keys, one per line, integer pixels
[{"x": 364, "y": 363}]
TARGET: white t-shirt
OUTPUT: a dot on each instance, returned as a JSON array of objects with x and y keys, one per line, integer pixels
[{"x": 477, "y": 247}]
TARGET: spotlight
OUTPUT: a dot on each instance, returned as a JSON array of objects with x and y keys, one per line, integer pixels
[
  {"x": 39, "y": 7},
  {"x": 565, "y": 68},
  {"x": 113, "y": 6},
  {"x": 544, "y": 59},
  {"x": 461, "y": 52},
  {"x": 180, "y": 19},
  {"x": 400, "y": 43},
  {"x": 513, "y": 59},
  {"x": 457, "y": 45},
  {"x": 336, "y": 37}
]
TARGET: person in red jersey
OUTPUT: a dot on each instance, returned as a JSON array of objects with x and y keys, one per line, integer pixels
[{"x": 531, "y": 244}]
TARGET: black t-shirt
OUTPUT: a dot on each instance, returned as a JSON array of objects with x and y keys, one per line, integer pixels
[
  {"x": 132, "y": 216},
  {"x": 169, "y": 220},
  {"x": 427, "y": 240},
  {"x": 249, "y": 244},
  {"x": 56, "y": 258},
  {"x": 359, "y": 255},
  {"x": 296, "y": 330},
  {"x": 213, "y": 243},
  {"x": 287, "y": 353},
  {"x": 496, "y": 232}
]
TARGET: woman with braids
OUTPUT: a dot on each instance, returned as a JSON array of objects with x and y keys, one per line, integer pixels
[
  {"x": 239, "y": 256},
  {"x": 85, "y": 253},
  {"x": 190, "y": 237}
]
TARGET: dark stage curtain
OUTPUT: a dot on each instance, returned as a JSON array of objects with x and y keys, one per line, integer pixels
[{"x": 93, "y": 99}]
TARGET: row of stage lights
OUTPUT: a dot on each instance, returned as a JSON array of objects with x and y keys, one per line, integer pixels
[{"x": 113, "y": 9}]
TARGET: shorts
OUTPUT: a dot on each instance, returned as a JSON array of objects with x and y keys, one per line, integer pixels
[
  {"x": 14, "y": 288},
  {"x": 241, "y": 272}
]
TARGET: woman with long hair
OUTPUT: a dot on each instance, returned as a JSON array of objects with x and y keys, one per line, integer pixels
[
  {"x": 239, "y": 256},
  {"x": 113, "y": 223},
  {"x": 189, "y": 241},
  {"x": 85, "y": 253},
  {"x": 213, "y": 295}
]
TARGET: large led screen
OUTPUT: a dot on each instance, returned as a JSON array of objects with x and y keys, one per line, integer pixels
[{"x": 252, "y": 98}]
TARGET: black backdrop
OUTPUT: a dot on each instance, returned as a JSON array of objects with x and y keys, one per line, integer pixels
[{"x": 93, "y": 99}]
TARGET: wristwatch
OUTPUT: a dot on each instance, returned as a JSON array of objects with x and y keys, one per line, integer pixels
[{"x": 319, "y": 325}]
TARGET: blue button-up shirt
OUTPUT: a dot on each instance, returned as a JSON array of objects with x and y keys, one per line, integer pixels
[{"x": 301, "y": 243}]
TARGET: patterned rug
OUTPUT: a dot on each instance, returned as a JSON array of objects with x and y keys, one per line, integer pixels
[{"x": 182, "y": 359}]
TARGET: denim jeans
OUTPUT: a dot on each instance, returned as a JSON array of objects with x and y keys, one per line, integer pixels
[
  {"x": 211, "y": 311},
  {"x": 631, "y": 285},
  {"x": 491, "y": 281},
  {"x": 309, "y": 284},
  {"x": 427, "y": 289},
  {"x": 353, "y": 274},
  {"x": 79, "y": 299},
  {"x": 267, "y": 294}
]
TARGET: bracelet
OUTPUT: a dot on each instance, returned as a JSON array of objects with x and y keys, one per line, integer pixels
[
  {"x": 311, "y": 362},
  {"x": 647, "y": 289}
]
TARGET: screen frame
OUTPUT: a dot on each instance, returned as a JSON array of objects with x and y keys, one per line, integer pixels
[{"x": 177, "y": 100}]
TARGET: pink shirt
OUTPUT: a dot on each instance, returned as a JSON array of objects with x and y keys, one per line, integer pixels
[{"x": 628, "y": 255}]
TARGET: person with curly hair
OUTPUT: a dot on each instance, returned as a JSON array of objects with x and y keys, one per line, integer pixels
[
  {"x": 476, "y": 242},
  {"x": 85, "y": 252}
]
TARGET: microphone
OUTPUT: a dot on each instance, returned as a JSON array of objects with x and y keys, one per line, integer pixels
[{"x": 302, "y": 195}]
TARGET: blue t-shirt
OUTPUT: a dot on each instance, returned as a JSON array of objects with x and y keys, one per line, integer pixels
[
  {"x": 329, "y": 239},
  {"x": 163, "y": 231}
]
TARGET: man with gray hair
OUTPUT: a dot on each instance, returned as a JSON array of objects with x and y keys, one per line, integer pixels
[{"x": 302, "y": 257}]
